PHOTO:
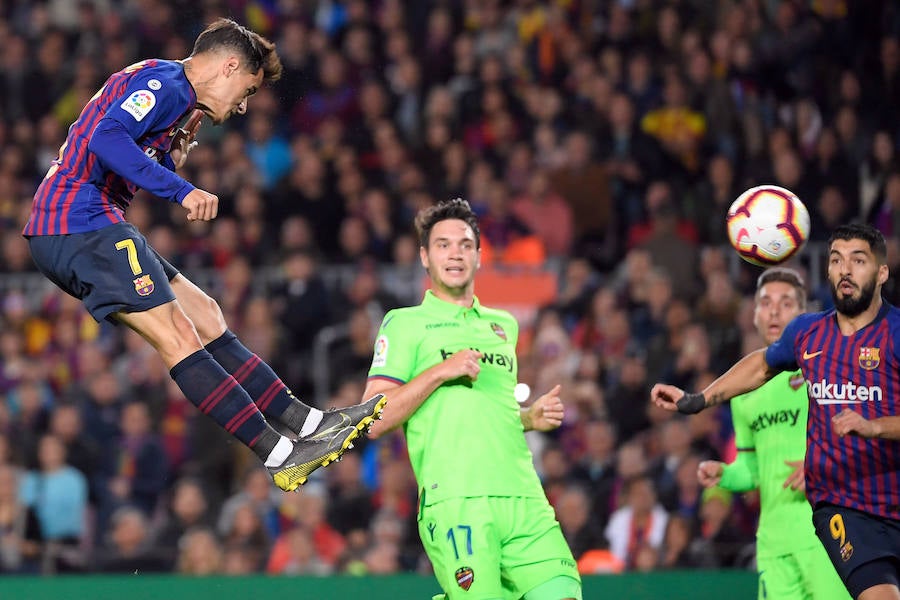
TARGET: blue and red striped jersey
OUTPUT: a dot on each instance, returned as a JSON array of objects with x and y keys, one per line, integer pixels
[
  {"x": 119, "y": 142},
  {"x": 860, "y": 372}
]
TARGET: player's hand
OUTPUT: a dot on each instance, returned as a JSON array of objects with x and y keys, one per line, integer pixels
[
  {"x": 849, "y": 422},
  {"x": 547, "y": 412},
  {"x": 666, "y": 396},
  {"x": 201, "y": 206},
  {"x": 465, "y": 363},
  {"x": 183, "y": 140},
  {"x": 709, "y": 473},
  {"x": 797, "y": 479}
]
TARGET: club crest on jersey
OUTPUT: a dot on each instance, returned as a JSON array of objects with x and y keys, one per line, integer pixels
[
  {"x": 379, "y": 359},
  {"x": 143, "y": 285},
  {"x": 139, "y": 104},
  {"x": 869, "y": 358},
  {"x": 846, "y": 551},
  {"x": 796, "y": 381},
  {"x": 495, "y": 327},
  {"x": 465, "y": 577}
]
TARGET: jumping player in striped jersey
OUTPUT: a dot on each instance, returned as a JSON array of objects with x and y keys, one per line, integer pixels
[
  {"x": 128, "y": 137},
  {"x": 849, "y": 357}
]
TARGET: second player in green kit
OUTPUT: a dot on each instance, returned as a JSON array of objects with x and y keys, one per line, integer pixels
[
  {"x": 449, "y": 368},
  {"x": 770, "y": 435}
]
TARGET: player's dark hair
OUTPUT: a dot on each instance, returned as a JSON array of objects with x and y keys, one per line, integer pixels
[
  {"x": 442, "y": 211},
  {"x": 789, "y": 276},
  {"x": 257, "y": 51},
  {"x": 864, "y": 232}
]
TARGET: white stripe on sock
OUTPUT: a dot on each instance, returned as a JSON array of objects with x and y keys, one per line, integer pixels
[
  {"x": 312, "y": 421},
  {"x": 280, "y": 452}
]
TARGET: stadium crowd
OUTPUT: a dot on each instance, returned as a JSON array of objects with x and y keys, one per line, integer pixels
[{"x": 605, "y": 139}]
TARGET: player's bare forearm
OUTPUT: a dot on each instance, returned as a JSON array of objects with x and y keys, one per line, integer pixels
[
  {"x": 850, "y": 422},
  {"x": 403, "y": 400},
  {"x": 746, "y": 375},
  {"x": 886, "y": 428}
]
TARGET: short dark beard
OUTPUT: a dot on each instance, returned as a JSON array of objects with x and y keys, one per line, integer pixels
[{"x": 853, "y": 307}]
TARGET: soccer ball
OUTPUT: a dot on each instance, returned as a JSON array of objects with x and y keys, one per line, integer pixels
[{"x": 767, "y": 225}]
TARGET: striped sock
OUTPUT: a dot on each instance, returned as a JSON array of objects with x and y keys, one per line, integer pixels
[
  {"x": 269, "y": 393},
  {"x": 216, "y": 393}
]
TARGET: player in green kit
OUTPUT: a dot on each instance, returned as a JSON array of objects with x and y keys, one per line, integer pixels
[
  {"x": 770, "y": 434},
  {"x": 449, "y": 368}
]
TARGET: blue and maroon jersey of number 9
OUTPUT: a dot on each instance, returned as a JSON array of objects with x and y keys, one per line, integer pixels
[
  {"x": 129, "y": 121},
  {"x": 860, "y": 372}
]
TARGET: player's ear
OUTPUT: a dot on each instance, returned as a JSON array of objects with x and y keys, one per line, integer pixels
[
  {"x": 232, "y": 64},
  {"x": 478, "y": 259},
  {"x": 883, "y": 273},
  {"x": 423, "y": 256}
]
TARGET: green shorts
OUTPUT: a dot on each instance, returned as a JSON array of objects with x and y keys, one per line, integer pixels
[
  {"x": 803, "y": 575},
  {"x": 493, "y": 548}
]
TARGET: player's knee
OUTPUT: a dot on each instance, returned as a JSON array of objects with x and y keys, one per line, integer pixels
[
  {"x": 184, "y": 333},
  {"x": 210, "y": 321}
]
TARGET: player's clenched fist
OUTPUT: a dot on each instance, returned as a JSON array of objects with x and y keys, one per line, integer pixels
[
  {"x": 465, "y": 363},
  {"x": 709, "y": 473},
  {"x": 666, "y": 396},
  {"x": 201, "y": 206}
]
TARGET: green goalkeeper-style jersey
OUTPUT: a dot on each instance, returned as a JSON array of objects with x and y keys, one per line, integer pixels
[
  {"x": 467, "y": 438},
  {"x": 770, "y": 428}
]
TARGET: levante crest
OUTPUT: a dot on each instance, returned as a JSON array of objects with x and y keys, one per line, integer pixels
[{"x": 465, "y": 576}]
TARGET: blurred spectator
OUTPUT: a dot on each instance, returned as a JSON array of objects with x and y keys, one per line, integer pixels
[
  {"x": 295, "y": 554},
  {"x": 573, "y": 510},
  {"x": 188, "y": 509},
  {"x": 334, "y": 96},
  {"x": 58, "y": 494},
  {"x": 679, "y": 129},
  {"x": 248, "y": 536},
  {"x": 268, "y": 150},
  {"x": 20, "y": 531},
  {"x": 670, "y": 239},
  {"x": 199, "y": 553},
  {"x": 300, "y": 299},
  {"x": 257, "y": 491},
  {"x": 129, "y": 548},
  {"x": 547, "y": 214},
  {"x": 136, "y": 465},
  {"x": 505, "y": 238},
  {"x": 640, "y": 521},
  {"x": 678, "y": 551},
  {"x": 716, "y": 538},
  {"x": 307, "y": 511},
  {"x": 81, "y": 451}
]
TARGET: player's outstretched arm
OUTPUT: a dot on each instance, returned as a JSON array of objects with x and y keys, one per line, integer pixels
[
  {"x": 850, "y": 422},
  {"x": 546, "y": 413},
  {"x": 746, "y": 375},
  {"x": 403, "y": 400}
]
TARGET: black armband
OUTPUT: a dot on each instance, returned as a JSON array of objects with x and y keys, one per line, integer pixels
[{"x": 691, "y": 404}]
